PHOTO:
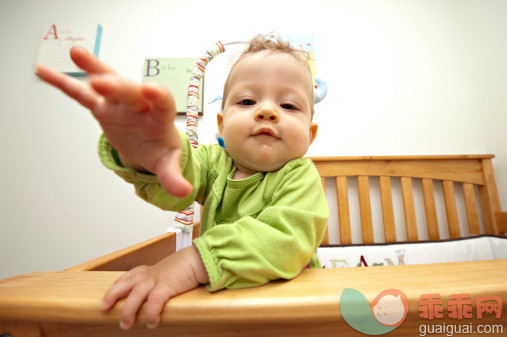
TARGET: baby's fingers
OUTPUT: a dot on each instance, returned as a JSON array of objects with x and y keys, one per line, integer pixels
[
  {"x": 156, "y": 302},
  {"x": 89, "y": 63},
  {"x": 120, "y": 90},
  {"x": 168, "y": 171},
  {"x": 163, "y": 107},
  {"x": 122, "y": 287},
  {"x": 74, "y": 88},
  {"x": 134, "y": 301}
]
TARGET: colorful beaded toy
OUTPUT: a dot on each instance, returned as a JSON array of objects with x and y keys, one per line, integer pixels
[{"x": 185, "y": 219}]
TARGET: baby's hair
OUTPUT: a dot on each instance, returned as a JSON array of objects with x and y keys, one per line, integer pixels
[{"x": 274, "y": 43}]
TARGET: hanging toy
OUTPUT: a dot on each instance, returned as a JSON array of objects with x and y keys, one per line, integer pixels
[
  {"x": 320, "y": 90},
  {"x": 186, "y": 218}
]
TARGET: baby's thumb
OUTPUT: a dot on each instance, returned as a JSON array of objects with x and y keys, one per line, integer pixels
[{"x": 168, "y": 171}]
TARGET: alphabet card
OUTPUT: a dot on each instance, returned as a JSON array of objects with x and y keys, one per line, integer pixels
[
  {"x": 57, "y": 40},
  {"x": 173, "y": 73}
]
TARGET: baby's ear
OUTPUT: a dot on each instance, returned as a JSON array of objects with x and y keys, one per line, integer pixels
[
  {"x": 313, "y": 131},
  {"x": 220, "y": 122}
]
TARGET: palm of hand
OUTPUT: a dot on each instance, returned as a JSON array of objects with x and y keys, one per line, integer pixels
[{"x": 136, "y": 119}]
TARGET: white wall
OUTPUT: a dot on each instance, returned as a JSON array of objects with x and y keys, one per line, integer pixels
[{"x": 405, "y": 77}]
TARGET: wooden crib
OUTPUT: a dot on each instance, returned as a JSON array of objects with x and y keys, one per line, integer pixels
[{"x": 65, "y": 303}]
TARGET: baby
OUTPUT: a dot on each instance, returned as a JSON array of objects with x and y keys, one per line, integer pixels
[{"x": 265, "y": 212}]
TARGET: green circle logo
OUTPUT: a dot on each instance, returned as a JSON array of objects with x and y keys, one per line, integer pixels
[{"x": 388, "y": 310}]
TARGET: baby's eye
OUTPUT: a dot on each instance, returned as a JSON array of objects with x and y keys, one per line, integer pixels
[
  {"x": 247, "y": 102},
  {"x": 288, "y": 106}
]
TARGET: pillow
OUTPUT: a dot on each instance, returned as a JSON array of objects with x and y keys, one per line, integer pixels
[{"x": 484, "y": 247}]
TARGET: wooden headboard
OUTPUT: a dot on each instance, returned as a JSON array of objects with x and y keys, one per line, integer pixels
[{"x": 468, "y": 170}]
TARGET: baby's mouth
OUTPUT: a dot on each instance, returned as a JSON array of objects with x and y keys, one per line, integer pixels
[{"x": 265, "y": 131}]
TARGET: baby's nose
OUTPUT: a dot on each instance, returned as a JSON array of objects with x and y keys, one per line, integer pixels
[{"x": 266, "y": 113}]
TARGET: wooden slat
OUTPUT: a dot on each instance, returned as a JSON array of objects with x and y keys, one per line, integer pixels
[
  {"x": 451, "y": 209},
  {"x": 365, "y": 208},
  {"x": 501, "y": 219},
  {"x": 430, "y": 209},
  {"x": 488, "y": 195},
  {"x": 343, "y": 210},
  {"x": 387, "y": 209},
  {"x": 471, "y": 207},
  {"x": 325, "y": 239},
  {"x": 409, "y": 208},
  {"x": 460, "y": 170}
]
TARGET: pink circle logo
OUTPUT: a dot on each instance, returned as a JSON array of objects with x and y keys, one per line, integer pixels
[{"x": 387, "y": 311}]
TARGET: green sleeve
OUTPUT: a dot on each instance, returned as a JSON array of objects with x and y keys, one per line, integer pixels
[
  {"x": 147, "y": 186},
  {"x": 277, "y": 243}
]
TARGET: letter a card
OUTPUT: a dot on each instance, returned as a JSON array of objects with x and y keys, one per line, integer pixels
[{"x": 57, "y": 40}]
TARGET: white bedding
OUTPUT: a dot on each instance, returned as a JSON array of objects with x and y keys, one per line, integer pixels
[{"x": 467, "y": 249}]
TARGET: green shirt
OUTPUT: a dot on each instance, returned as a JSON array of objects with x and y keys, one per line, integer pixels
[{"x": 253, "y": 230}]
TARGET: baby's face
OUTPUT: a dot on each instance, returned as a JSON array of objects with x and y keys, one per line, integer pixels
[{"x": 266, "y": 120}]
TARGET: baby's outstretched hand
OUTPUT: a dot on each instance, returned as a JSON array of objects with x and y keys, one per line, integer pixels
[
  {"x": 137, "y": 119},
  {"x": 155, "y": 285}
]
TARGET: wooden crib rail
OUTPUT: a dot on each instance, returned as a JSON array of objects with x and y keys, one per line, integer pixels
[
  {"x": 66, "y": 303},
  {"x": 470, "y": 171},
  {"x": 147, "y": 252}
]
